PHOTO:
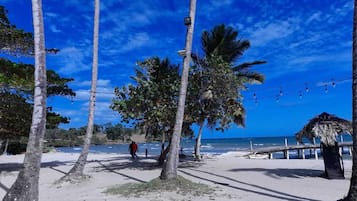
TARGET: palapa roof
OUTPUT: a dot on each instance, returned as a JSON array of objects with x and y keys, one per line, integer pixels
[{"x": 326, "y": 126}]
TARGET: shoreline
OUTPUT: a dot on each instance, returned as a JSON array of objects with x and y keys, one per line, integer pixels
[{"x": 232, "y": 175}]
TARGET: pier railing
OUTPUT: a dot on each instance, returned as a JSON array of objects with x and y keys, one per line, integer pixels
[{"x": 300, "y": 148}]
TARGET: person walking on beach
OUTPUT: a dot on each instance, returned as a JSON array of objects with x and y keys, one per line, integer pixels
[{"x": 133, "y": 148}]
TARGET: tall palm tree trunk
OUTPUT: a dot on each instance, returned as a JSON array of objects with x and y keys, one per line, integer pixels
[
  {"x": 352, "y": 193},
  {"x": 198, "y": 142},
  {"x": 77, "y": 171},
  {"x": 26, "y": 185},
  {"x": 169, "y": 170}
]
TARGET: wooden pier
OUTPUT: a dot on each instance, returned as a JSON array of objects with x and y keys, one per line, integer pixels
[{"x": 300, "y": 148}]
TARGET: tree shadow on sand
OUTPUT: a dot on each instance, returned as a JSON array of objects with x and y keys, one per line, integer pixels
[
  {"x": 149, "y": 163},
  {"x": 283, "y": 172},
  {"x": 233, "y": 183},
  {"x": 15, "y": 167},
  {"x": 138, "y": 164}
]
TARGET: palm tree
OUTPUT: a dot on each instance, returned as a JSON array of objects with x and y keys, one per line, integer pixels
[
  {"x": 76, "y": 173},
  {"x": 352, "y": 193},
  {"x": 221, "y": 49},
  {"x": 26, "y": 184},
  {"x": 169, "y": 171}
]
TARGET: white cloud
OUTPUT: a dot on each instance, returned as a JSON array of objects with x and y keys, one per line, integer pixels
[
  {"x": 104, "y": 91},
  {"x": 102, "y": 113},
  {"x": 54, "y": 29},
  {"x": 105, "y": 115},
  {"x": 87, "y": 83},
  {"x": 72, "y": 60},
  {"x": 136, "y": 41},
  {"x": 50, "y": 14},
  {"x": 101, "y": 94},
  {"x": 264, "y": 34},
  {"x": 314, "y": 17},
  {"x": 304, "y": 60},
  {"x": 218, "y": 3}
]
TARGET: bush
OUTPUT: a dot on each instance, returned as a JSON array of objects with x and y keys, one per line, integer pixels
[{"x": 15, "y": 147}]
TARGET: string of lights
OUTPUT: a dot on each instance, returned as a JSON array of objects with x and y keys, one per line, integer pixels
[{"x": 275, "y": 93}]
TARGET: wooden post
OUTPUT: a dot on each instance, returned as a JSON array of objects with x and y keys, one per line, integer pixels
[
  {"x": 341, "y": 150},
  {"x": 271, "y": 155},
  {"x": 315, "y": 150},
  {"x": 298, "y": 151},
  {"x": 303, "y": 154},
  {"x": 287, "y": 151}
]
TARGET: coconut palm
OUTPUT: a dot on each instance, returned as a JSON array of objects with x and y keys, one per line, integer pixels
[
  {"x": 352, "y": 193},
  {"x": 169, "y": 171},
  {"x": 327, "y": 127},
  {"x": 76, "y": 173},
  {"x": 26, "y": 184},
  {"x": 221, "y": 81}
]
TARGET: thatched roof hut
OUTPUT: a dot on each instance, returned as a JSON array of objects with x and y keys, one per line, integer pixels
[{"x": 327, "y": 127}]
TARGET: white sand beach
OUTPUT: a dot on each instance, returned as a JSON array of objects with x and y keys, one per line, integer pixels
[{"x": 233, "y": 177}]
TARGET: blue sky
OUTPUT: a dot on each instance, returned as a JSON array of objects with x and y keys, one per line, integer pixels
[{"x": 306, "y": 43}]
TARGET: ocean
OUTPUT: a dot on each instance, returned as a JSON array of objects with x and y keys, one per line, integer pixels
[{"x": 208, "y": 146}]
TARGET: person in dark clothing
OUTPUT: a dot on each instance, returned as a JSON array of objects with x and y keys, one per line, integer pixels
[{"x": 133, "y": 148}]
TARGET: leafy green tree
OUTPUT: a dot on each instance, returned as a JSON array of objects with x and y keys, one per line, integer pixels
[
  {"x": 151, "y": 103},
  {"x": 14, "y": 111},
  {"x": 55, "y": 119},
  {"x": 62, "y": 138},
  {"x": 117, "y": 132},
  {"x": 18, "y": 79},
  {"x": 12, "y": 40},
  {"x": 27, "y": 181},
  {"x": 219, "y": 81}
]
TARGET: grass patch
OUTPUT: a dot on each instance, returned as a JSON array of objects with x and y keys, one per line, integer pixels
[{"x": 179, "y": 185}]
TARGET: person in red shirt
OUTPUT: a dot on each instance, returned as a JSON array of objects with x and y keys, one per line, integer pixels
[{"x": 133, "y": 148}]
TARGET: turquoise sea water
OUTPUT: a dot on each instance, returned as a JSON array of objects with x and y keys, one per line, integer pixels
[{"x": 209, "y": 146}]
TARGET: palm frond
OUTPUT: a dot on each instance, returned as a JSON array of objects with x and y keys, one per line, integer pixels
[
  {"x": 247, "y": 65},
  {"x": 250, "y": 77}
]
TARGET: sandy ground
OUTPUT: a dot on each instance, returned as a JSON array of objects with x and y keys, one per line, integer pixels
[{"x": 233, "y": 177}]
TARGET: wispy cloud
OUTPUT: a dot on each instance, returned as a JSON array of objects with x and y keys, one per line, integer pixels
[
  {"x": 343, "y": 56},
  {"x": 73, "y": 60},
  {"x": 265, "y": 34},
  {"x": 87, "y": 83},
  {"x": 103, "y": 113},
  {"x": 135, "y": 41},
  {"x": 219, "y": 3},
  {"x": 104, "y": 90},
  {"x": 50, "y": 15},
  {"x": 101, "y": 94},
  {"x": 54, "y": 29}
]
